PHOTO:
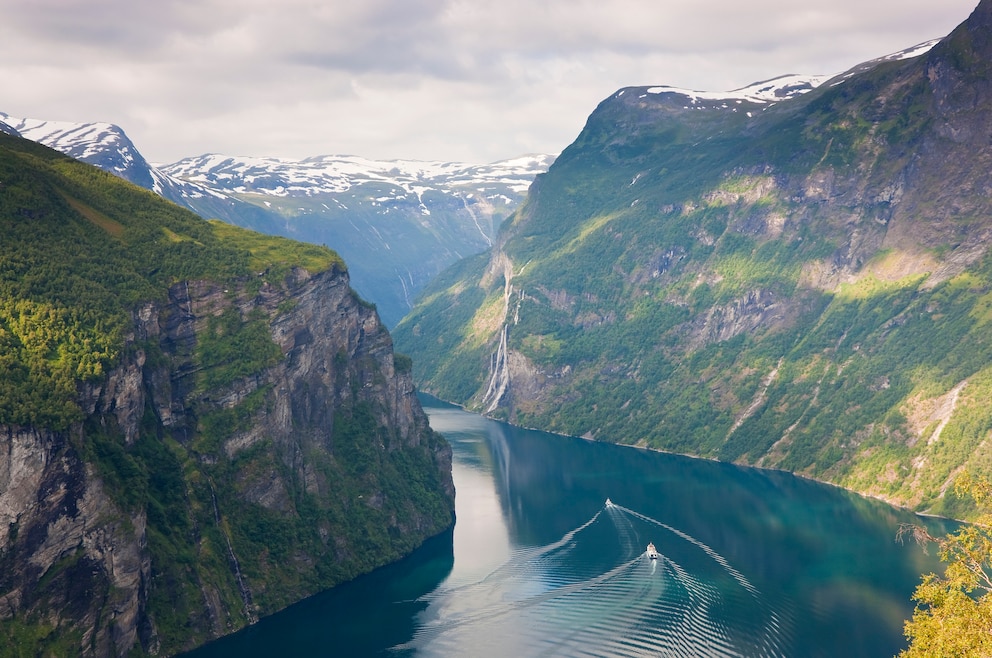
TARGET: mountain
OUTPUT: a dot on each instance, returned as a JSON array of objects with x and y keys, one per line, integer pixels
[
  {"x": 100, "y": 144},
  {"x": 108, "y": 147},
  {"x": 396, "y": 223},
  {"x": 797, "y": 281},
  {"x": 199, "y": 424}
]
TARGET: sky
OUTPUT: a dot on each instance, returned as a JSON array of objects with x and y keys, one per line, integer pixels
[{"x": 461, "y": 80}]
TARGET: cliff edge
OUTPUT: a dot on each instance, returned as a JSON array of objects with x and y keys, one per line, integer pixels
[{"x": 243, "y": 437}]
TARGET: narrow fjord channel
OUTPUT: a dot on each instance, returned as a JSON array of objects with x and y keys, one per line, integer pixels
[{"x": 547, "y": 558}]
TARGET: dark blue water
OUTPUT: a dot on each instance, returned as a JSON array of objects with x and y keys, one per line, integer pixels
[{"x": 752, "y": 563}]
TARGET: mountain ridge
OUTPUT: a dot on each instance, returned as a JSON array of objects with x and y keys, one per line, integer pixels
[
  {"x": 756, "y": 286},
  {"x": 328, "y": 174},
  {"x": 397, "y": 223}
]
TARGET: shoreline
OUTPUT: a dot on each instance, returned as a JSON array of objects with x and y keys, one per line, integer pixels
[{"x": 770, "y": 469}]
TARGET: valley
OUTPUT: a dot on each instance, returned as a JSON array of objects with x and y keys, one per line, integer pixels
[{"x": 204, "y": 421}]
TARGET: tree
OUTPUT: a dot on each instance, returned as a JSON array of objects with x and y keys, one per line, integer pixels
[{"x": 953, "y": 616}]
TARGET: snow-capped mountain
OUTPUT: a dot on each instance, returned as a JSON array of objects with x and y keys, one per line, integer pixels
[
  {"x": 7, "y": 128},
  {"x": 396, "y": 223},
  {"x": 771, "y": 91},
  {"x": 768, "y": 91},
  {"x": 108, "y": 147},
  {"x": 328, "y": 174},
  {"x": 102, "y": 144}
]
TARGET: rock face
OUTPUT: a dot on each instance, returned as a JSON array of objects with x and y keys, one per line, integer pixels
[
  {"x": 139, "y": 528},
  {"x": 69, "y": 552}
]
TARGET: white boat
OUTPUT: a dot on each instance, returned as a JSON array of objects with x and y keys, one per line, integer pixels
[{"x": 652, "y": 552}]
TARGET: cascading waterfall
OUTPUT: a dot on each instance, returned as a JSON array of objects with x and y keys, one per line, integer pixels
[
  {"x": 499, "y": 379},
  {"x": 475, "y": 218},
  {"x": 243, "y": 588}
]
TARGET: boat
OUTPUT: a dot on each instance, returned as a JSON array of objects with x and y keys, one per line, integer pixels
[
  {"x": 652, "y": 552},
  {"x": 609, "y": 503}
]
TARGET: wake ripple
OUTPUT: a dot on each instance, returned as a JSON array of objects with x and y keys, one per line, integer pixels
[{"x": 583, "y": 596}]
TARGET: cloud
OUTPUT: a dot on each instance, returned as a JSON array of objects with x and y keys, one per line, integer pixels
[{"x": 442, "y": 79}]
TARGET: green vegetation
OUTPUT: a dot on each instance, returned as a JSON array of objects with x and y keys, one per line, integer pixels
[
  {"x": 32, "y": 638},
  {"x": 953, "y": 616},
  {"x": 231, "y": 348},
  {"x": 761, "y": 289},
  {"x": 345, "y": 526},
  {"x": 198, "y": 509},
  {"x": 80, "y": 249},
  {"x": 457, "y": 378},
  {"x": 251, "y": 524},
  {"x": 276, "y": 254}
]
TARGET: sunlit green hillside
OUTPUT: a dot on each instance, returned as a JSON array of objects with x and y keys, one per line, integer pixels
[
  {"x": 802, "y": 285},
  {"x": 79, "y": 249}
]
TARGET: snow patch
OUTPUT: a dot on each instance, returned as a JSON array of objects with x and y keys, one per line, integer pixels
[{"x": 767, "y": 91}]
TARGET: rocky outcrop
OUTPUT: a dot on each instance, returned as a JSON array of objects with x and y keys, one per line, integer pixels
[
  {"x": 71, "y": 556},
  {"x": 77, "y": 507},
  {"x": 757, "y": 310}
]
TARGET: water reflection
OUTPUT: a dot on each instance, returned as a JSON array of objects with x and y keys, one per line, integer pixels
[
  {"x": 363, "y": 617},
  {"x": 767, "y": 563},
  {"x": 597, "y": 592},
  {"x": 754, "y": 563}
]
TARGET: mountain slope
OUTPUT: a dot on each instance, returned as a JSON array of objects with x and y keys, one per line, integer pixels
[
  {"x": 103, "y": 145},
  {"x": 199, "y": 425},
  {"x": 396, "y": 223},
  {"x": 106, "y": 146},
  {"x": 800, "y": 284}
]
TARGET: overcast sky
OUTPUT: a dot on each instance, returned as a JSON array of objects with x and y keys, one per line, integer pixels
[{"x": 466, "y": 80}]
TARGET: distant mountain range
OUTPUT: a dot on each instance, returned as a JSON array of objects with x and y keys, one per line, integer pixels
[
  {"x": 795, "y": 275},
  {"x": 396, "y": 223}
]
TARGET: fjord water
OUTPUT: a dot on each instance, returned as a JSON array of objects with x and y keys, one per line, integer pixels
[{"x": 752, "y": 563}]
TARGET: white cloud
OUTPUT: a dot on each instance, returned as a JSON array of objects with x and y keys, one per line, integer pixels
[{"x": 432, "y": 79}]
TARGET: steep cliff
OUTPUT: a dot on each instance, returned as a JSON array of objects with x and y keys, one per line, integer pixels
[
  {"x": 798, "y": 283},
  {"x": 236, "y": 434}
]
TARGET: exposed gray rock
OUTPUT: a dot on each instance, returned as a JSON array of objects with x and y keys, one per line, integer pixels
[{"x": 72, "y": 556}]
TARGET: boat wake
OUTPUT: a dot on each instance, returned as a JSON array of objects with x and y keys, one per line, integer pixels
[{"x": 594, "y": 592}]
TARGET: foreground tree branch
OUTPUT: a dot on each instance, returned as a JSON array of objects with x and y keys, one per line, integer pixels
[{"x": 953, "y": 616}]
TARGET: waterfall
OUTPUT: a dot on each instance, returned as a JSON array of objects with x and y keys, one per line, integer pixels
[
  {"x": 245, "y": 592},
  {"x": 475, "y": 218},
  {"x": 499, "y": 380}
]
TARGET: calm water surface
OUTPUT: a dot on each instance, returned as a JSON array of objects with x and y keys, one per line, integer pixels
[{"x": 752, "y": 563}]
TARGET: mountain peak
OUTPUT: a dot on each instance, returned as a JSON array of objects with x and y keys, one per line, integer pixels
[
  {"x": 982, "y": 16},
  {"x": 969, "y": 47},
  {"x": 104, "y": 145},
  {"x": 784, "y": 288},
  {"x": 765, "y": 92}
]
